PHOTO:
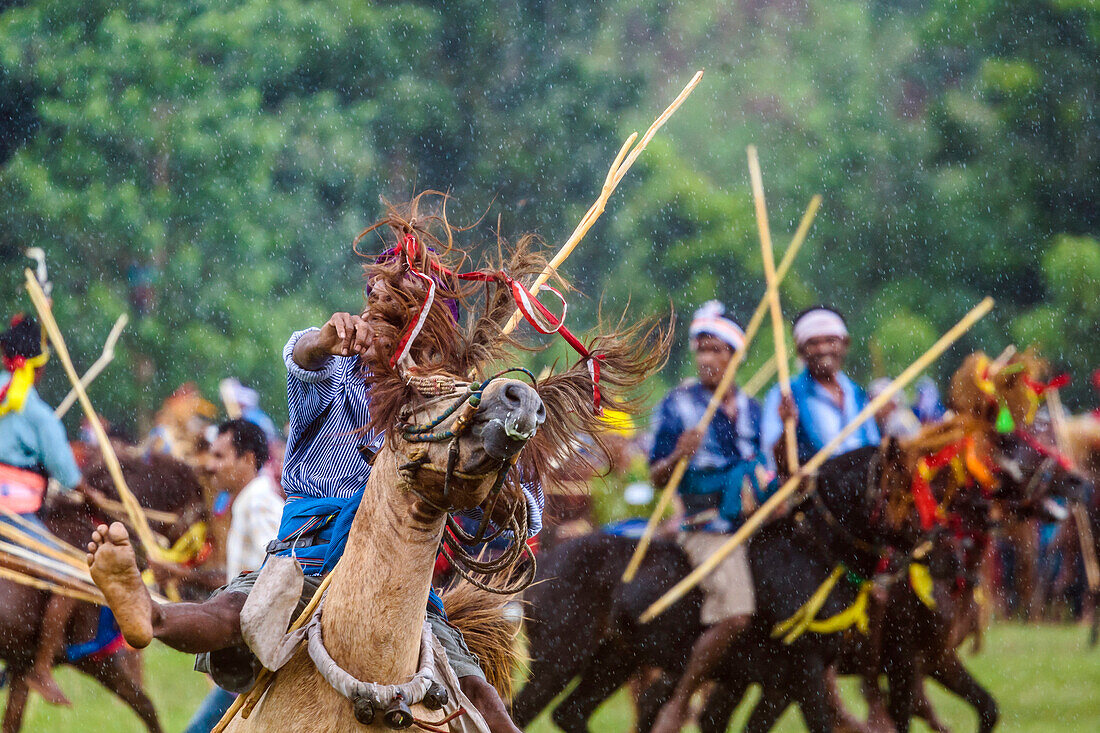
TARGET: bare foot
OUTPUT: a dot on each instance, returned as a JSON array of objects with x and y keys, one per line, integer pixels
[{"x": 115, "y": 571}]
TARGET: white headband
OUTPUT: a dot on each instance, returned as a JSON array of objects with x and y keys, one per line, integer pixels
[
  {"x": 819, "y": 322},
  {"x": 710, "y": 321}
]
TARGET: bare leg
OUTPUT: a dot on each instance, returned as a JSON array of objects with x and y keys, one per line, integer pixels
[
  {"x": 487, "y": 701},
  {"x": 705, "y": 654},
  {"x": 50, "y": 640},
  {"x": 188, "y": 627}
]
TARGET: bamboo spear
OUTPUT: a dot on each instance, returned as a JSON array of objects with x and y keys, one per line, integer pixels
[
  {"x": 100, "y": 364},
  {"x": 773, "y": 299},
  {"x": 757, "y": 381},
  {"x": 22, "y": 578},
  {"x": 133, "y": 508},
  {"x": 1080, "y": 517},
  {"x": 720, "y": 392},
  {"x": 245, "y": 702},
  {"x": 619, "y": 167},
  {"x": 792, "y": 484}
]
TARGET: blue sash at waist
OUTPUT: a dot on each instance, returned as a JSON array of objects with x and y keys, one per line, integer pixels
[{"x": 327, "y": 522}]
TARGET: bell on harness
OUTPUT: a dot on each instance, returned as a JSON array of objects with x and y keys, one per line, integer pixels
[
  {"x": 398, "y": 716},
  {"x": 363, "y": 709}
]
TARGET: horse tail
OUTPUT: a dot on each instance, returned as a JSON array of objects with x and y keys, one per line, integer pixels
[{"x": 488, "y": 630}]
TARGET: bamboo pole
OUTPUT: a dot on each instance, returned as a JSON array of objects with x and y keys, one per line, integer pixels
[
  {"x": 37, "y": 583},
  {"x": 246, "y": 702},
  {"x": 757, "y": 381},
  {"x": 100, "y": 364},
  {"x": 32, "y": 543},
  {"x": 24, "y": 561},
  {"x": 1080, "y": 517},
  {"x": 74, "y": 552},
  {"x": 720, "y": 392},
  {"x": 615, "y": 174},
  {"x": 778, "y": 337},
  {"x": 133, "y": 508},
  {"x": 792, "y": 484}
]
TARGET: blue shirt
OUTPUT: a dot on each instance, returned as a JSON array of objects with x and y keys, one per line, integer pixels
[
  {"x": 727, "y": 456},
  {"x": 820, "y": 418},
  {"x": 34, "y": 439}
]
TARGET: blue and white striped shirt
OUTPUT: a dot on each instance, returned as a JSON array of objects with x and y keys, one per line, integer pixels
[{"x": 328, "y": 407}]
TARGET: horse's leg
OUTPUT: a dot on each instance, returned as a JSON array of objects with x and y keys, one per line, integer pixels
[
  {"x": 813, "y": 696},
  {"x": 721, "y": 703},
  {"x": 651, "y": 700},
  {"x": 117, "y": 675},
  {"x": 901, "y": 673},
  {"x": 950, "y": 672},
  {"x": 553, "y": 665},
  {"x": 607, "y": 672},
  {"x": 773, "y": 701},
  {"x": 922, "y": 708},
  {"x": 17, "y": 700}
]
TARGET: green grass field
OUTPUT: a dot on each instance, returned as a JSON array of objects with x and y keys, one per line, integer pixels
[{"x": 1044, "y": 677}]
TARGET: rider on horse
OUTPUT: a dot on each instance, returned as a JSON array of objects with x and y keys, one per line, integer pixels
[
  {"x": 723, "y": 461},
  {"x": 823, "y": 400},
  {"x": 33, "y": 448},
  {"x": 327, "y": 464}
]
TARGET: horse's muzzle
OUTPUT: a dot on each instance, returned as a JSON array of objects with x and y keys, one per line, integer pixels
[{"x": 510, "y": 414}]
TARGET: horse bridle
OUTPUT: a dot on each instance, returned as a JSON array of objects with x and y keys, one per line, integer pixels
[{"x": 467, "y": 397}]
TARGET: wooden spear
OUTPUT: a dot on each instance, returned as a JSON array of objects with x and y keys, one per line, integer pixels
[
  {"x": 757, "y": 381},
  {"x": 133, "y": 508},
  {"x": 720, "y": 392},
  {"x": 100, "y": 364},
  {"x": 615, "y": 174},
  {"x": 750, "y": 526},
  {"x": 773, "y": 299},
  {"x": 1080, "y": 517},
  {"x": 245, "y": 702}
]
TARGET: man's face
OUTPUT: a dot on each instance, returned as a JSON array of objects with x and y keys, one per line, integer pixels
[
  {"x": 227, "y": 470},
  {"x": 712, "y": 356},
  {"x": 824, "y": 355}
]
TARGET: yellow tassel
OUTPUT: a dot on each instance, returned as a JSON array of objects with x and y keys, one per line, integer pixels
[
  {"x": 22, "y": 379},
  {"x": 804, "y": 619},
  {"x": 189, "y": 545},
  {"x": 920, "y": 580}
]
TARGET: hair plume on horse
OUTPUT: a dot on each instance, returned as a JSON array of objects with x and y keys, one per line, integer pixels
[
  {"x": 624, "y": 352},
  {"x": 488, "y": 632}
]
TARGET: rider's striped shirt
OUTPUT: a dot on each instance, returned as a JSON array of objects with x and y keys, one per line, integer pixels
[{"x": 327, "y": 409}]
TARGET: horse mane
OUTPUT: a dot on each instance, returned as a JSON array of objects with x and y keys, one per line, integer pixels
[
  {"x": 487, "y": 631},
  {"x": 468, "y": 348}
]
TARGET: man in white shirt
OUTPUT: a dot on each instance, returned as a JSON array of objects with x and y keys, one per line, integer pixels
[{"x": 235, "y": 462}]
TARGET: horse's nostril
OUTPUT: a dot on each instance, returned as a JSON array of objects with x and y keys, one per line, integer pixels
[{"x": 513, "y": 395}]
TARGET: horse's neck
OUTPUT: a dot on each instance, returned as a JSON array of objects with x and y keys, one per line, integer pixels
[{"x": 374, "y": 611}]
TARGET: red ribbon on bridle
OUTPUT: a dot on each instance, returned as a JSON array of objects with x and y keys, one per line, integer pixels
[{"x": 534, "y": 312}]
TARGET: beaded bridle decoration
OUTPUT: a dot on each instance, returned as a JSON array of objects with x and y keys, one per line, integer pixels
[{"x": 467, "y": 400}]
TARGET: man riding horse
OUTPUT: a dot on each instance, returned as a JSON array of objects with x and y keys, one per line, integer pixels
[
  {"x": 33, "y": 448},
  {"x": 723, "y": 460},
  {"x": 328, "y": 461}
]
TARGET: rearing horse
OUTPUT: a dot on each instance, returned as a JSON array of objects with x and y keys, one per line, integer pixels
[{"x": 455, "y": 442}]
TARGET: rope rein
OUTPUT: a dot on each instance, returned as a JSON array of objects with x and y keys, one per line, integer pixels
[{"x": 467, "y": 398}]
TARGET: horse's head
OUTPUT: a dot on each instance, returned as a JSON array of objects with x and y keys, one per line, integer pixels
[
  {"x": 1035, "y": 479},
  {"x": 468, "y": 431},
  {"x": 1001, "y": 398},
  {"x": 456, "y": 444}
]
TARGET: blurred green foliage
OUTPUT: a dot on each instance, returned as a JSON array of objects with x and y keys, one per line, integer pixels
[{"x": 206, "y": 165}]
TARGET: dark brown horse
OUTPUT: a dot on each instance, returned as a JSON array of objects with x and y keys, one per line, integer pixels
[{"x": 159, "y": 482}]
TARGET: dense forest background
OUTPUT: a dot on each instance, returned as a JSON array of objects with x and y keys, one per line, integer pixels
[{"x": 204, "y": 165}]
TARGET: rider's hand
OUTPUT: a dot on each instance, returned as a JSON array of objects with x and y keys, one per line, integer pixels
[
  {"x": 688, "y": 442},
  {"x": 787, "y": 409},
  {"x": 345, "y": 334}
]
